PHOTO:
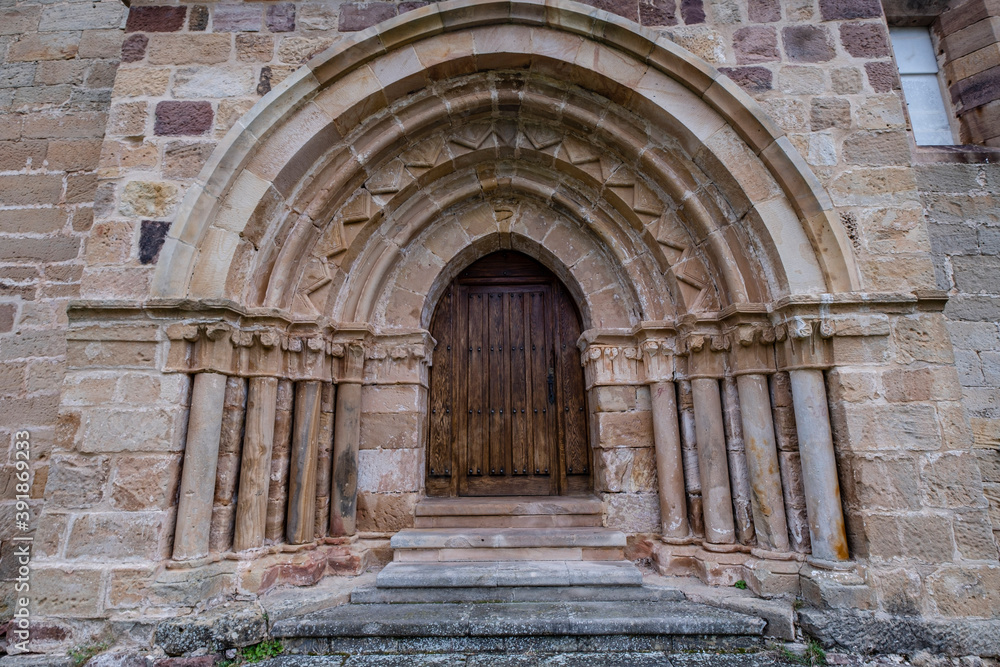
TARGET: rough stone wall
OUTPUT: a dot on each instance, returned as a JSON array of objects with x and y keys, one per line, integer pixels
[
  {"x": 57, "y": 67},
  {"x": 963, "y": 222}
]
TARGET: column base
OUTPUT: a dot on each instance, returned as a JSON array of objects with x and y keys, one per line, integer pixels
[
  {"x": 764, "y": 576},
  {"x": 841, "y": 588}
]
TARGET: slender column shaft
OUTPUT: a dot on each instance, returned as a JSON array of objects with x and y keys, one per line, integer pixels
[
  {"x": 346, "y": 440},
  {"x": 819, "y": 465},
  {"x": 255, "y": 468},
  {"x": 762, "y": 462},
  {"x": 739, "y": 477},
  {"x": 712, "y": 461},
  {"x": 324, "y": 461},
  {"x": 689, "y": 450},
  {"x": 226, "y": 475},
  {"x": 669, "y": 460},
  {"x": 201, "y": 459},
  {"x": 300, "y": 523},
  {"x": 277, "y": 493}
]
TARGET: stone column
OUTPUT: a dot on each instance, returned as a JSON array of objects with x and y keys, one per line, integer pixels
[
  {"x": 705, "y": 369},
  {"x": 201, "y": 458},
  {"x": 324, "y": 461},
  {"x": 346, "y": 442},
  {"x": 255, "y": 468},
  {"x": 300, "y": 522},
  {"x": 819, "y": 465},
  {"x": 806, "y": 353},
  {"x": 658, "y": 361},
  {"x": 753, "y": 359}
]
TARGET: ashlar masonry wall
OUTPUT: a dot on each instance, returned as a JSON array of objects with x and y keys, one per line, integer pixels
[{"x": 57, "y": 68}]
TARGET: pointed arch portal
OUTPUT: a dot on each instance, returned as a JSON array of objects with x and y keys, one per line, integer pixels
[{"x": 337, "y": 216}]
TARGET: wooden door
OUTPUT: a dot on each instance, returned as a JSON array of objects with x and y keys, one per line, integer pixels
[{"x": 507, "y": 403}]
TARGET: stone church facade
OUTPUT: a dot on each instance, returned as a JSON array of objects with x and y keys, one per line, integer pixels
[{"x": 252, "y": 255}]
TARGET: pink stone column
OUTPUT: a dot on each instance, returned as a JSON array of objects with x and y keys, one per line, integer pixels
[
  {"x": 819, "y": 465},
  {"x": 669, "y": 461},
  {"x": 201, "y": 459}
]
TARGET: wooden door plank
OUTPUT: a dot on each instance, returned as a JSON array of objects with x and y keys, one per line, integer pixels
[
  {"x": 442, "y": 375},
  {"x": 518, "y": 386},
  {"x": 574, "y": 411}
]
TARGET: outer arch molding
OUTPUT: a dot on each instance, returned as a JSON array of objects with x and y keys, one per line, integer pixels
[{"x": 802, "y": 190}]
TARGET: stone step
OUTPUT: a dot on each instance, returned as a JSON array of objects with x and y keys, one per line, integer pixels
[
  {"x": 496, "y": 544},
  {"x": 508, "y": 573},
  {"x": 375, "y": 595},
  {"x": 519, "y": 627},
  {"x": 509, "y": 506},
  {"x": 506, "y": 538},
  {"x": 494, "y": 554},
  {"x": 514, "y": 521}
]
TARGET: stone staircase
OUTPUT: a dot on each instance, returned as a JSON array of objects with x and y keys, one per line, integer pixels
[{"x": 515, "y": 575}]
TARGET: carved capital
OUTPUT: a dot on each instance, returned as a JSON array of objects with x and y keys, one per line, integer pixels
[
  {"x": 805, "y": 344},
  {"x": 399, "y": 359},
  {"x": 706, "y": 354},
  {"x": 752, "y": 349},
  {"x": 611, "y": 365},
  {"x": 658, "y": 360}
]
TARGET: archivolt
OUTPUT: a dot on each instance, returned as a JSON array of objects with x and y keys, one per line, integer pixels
[{"x": 664, "y": 164}]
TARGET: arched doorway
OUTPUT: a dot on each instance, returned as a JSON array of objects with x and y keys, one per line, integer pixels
[{"x": 508, "y": 409}]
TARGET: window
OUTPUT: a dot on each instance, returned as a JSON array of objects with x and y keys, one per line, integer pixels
[{"x": 918, "y": 73}]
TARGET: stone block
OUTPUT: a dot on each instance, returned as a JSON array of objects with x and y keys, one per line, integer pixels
[
  {"x": 632, "y": 513},
  {"x": 921, "y": 384},
  {"x": 356, "y": 16},
  {"x": 183, "y": 118},
  {"x": 44, "y": 46},
  {"x": 111, "y": 430},
  {"x": 658, "y": 13},
  {"x": 184, "y": 159},
  {"x": 28, "y": 190},
  {"x": 830, "y": 112},
  {"x": 72, "y": 592},
  {"x": 401, "y": 430},
  {"x": 390, "y": 398},
  {"x": 237, "y": 18},
  {"x": 254, "y": 48},
  {"x": 764, "y": 11},
  {"x": 189, "y": 49},
  {"x": 692, "y": 11},
  {"x": 922, "y": 338},
  {"x": 865, "y": 40},
  {"x": 81, "y": 16},
  {"x": 626, "y": 470},
  {"x": 881, "y": 483},
  {"x": 613, "y": 398},
  {"x": 882, "y": 76},
  {"x": 20, "y": 20},
  {"x": 280, "y": 17},
  {"x": 751, "y": 79},
  {"x": 624, "y": 429},
  {"x": 922, "y": 536},
  {"x": 900, "y": 591},
  {"x": 951, "y": 480},
  {"x": 756, "y": 44},
  {"x": 977, "y": 273},
  {"x": 390, "y": 470},
  {"x": 118, "y": 536},
  {"x": 156, "y": 19},
  {"x": 834, "y": 10},
  {"x": 198, "y": 18},
  {"x": 386, "y": 512},
  {"x": 868, "y": 427},
  {"x": 973, "y": 308},
  {"x": 888, "y": 147},
  {"x": 808, "y": 44},
  {"x": 145, "y": 482},
  {"x": 128, "y": 118},
  {"x": 213, "y": 82},
  {"x": 76, "y": 482},
  {"x": 974, "y": 535},
  {"x": 227, "y": 626},
  {"x": 149, "y": 198},
  {"x": 969, "y": 590}
]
